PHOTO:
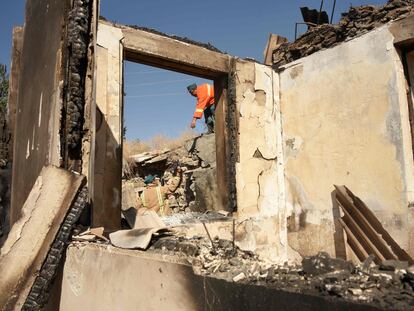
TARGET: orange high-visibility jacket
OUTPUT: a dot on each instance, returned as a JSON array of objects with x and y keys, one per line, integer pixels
[{"x": 205, "y": 98}]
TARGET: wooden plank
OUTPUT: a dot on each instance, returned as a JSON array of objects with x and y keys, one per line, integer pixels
[
  {"x": 154, "y": 61},
  {"x": 353, "y": 242},
  {"x": 173, "y": 53},
  {"x": 32, "y": 235},
  {"x": 361, "y": 236},
  {"x": 377, "y": 226},
  {"x": 403, "y": 31},
  {"x": 363, "y": 223},
  {"x": 273, "y": 43},
  {"x": 220, "y": 89}
]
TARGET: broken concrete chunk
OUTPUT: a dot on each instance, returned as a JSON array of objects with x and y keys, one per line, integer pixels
[
  {"x": 393, "y": 265},
  {"x": 323, "y": 263},
  {"x": 32, "y": 235},
  {"x": 90, "y": 235},
  {"x": 239, "y": 277}
]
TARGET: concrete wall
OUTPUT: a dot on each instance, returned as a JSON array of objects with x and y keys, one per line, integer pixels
[
  {"x": 40, "y": 97},
  {"x": 346, "y": 121},
  {"x": 100, "y": 277}
]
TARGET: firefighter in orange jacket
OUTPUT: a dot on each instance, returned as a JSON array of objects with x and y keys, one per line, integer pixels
[{"x": 205, "y": 104}]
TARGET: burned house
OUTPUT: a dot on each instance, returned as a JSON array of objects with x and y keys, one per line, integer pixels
[{"x": 333, "y": 108}]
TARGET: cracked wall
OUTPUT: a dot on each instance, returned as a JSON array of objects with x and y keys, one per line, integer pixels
[
  {"x": 39, "y": 102},
  {"x": 259, "y": 170},
  {"x": 345, "y": 121}
]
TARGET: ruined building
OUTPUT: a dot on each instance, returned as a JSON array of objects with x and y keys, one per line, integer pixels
[{"x": 335, "y": 107}]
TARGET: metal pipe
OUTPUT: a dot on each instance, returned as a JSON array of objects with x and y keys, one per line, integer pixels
[
  {"x": 333, "y": 10},
  {"x": 296, "y": 27},
  {"x": 296, "y": 31},
  {"x": 320, "y": 11},
  {"x": 234, "y": 234}
]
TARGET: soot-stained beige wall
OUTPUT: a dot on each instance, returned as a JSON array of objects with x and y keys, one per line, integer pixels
[
  {"x": 39, "y": 103},
  {"x": 345, "y": 121}
]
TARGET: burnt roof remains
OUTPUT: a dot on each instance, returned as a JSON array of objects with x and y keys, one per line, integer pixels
[{"x": 357, "y": 21}]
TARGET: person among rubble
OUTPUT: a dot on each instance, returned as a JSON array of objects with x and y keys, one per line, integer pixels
[
  {"x": 205, "y": 104},
  {"x": 154, "y": 196}
]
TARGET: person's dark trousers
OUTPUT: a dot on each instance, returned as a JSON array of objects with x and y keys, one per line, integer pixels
[{"x": 209, "y": 117}]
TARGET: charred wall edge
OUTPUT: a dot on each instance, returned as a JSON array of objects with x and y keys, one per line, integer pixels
[
  {"x": 39, "y": 293},
  {"x": 78, "y": 36},
  {"x": 233, "y": 136}
]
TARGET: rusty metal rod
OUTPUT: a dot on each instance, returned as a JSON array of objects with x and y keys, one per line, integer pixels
[
  {"x": 209, "y": 236},
  {"x": 333, "y": 11},
  {"x": 320, "y": 12},
  {"x": 234, "y": 233}
]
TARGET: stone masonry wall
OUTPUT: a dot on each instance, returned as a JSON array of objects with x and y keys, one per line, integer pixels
[{"x": 357, "y": 21}]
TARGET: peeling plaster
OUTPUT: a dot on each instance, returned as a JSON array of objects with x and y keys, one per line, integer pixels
[
  {"x": 260, "y": 171},
  {"x": 25, "y": 215}
]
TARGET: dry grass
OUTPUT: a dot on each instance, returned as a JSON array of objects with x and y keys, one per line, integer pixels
[{"x": 158, "y": 142}]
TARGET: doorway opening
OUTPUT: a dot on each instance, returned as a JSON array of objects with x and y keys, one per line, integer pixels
[
  {"x": 122, "y": 53},
  {"x": 158, "y": 141}
]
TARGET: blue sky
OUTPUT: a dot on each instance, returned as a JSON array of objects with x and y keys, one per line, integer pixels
[{"x": 156, "y": 101}]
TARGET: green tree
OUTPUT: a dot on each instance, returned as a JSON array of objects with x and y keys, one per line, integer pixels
[{"x": 4, "y": 86}]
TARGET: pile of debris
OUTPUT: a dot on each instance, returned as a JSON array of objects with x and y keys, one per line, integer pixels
[
  {"x": 197, "y": 158},
  {"x": 357, "y": 21},
  {"x": 389, "y": 285}
]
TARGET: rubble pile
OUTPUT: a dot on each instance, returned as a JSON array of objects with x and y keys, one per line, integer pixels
[
  {"x": 197, "y": 158},
  {"x": 389, "y": 285},
  {"x": 357, "y": 21}
]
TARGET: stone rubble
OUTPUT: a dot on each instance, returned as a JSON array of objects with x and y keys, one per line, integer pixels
[
  {"x": 356, "y": 22},
  {"x": 197, "y": 159},
  {"x": 386, "y": 286}
]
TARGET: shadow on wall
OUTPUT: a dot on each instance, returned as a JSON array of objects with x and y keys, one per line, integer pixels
[
  {"x": 339, "y": 237},
  {"x": 107, "y": 174}
]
